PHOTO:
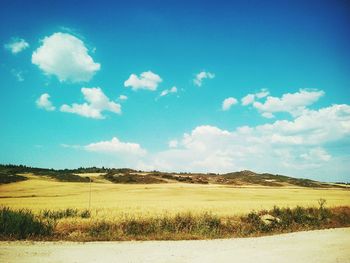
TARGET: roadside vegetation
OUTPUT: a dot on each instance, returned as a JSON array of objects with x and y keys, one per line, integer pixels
[{"x": 84, "y": 225}]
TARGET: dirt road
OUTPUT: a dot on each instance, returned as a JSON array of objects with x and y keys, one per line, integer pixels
[{"x": 315, "y": 246}]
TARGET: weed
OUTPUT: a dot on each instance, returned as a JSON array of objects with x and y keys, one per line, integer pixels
[{"x": 69, "y": 212}]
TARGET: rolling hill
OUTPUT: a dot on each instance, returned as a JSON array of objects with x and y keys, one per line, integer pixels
[{"x": 14, "y": 173}]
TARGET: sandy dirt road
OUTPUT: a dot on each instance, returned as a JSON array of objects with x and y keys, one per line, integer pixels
[{"x": 331, "y": 245}]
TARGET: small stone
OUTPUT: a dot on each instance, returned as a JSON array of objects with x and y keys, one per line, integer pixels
[{"x": 268, "y": 219}]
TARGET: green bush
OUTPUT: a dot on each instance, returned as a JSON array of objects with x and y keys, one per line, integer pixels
[{"x": 21, "y": 224}]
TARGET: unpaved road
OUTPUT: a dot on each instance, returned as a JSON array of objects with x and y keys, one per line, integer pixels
[{"x": 331, "y": 245}]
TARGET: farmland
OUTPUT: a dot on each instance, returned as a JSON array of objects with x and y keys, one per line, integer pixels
[{"x": 41, "y": 192}]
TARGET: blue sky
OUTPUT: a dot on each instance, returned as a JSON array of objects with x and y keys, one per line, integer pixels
[{"x": 259, "y": 85}]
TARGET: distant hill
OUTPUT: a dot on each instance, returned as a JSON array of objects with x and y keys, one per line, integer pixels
[{"x": 14, "y": 173}]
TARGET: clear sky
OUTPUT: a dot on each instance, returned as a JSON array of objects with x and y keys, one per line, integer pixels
[{"x": 208, "y": 86}]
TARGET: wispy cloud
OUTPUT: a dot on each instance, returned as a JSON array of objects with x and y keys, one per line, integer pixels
[
  {"x": 201, "y": 76},
  {"x": 17, "y": 45},
  {"x": 168, "y": 91},
  {"x": 18, "y": 74},
  {"x": 250, "y": 98}
]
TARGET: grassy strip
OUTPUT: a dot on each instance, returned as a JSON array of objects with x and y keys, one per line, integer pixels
[{"x": 77, "y": 226}]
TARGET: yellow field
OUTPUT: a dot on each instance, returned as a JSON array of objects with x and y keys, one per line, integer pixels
[{"x": 156, "y": 199}]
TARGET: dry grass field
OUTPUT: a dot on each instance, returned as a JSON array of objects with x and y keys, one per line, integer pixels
[{"x": 112, "y": 200}]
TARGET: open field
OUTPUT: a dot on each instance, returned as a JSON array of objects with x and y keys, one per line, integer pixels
[
  {"x": 60, "y": 210},
  {"x": 39, "y": 193}
]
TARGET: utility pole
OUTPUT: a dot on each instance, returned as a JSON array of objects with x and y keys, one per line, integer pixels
[{"x": 90, "y": 194}]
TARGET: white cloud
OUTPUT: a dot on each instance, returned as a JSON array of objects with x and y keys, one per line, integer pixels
[
  {"x": 316, "y": 154},
  {"x": 300, "y": 147},
  {"x": 66, "y": 57},
  {"x": 228, "y": 102},
  {"x": 96, "y": 103},
  {"x": 17, "y": 45},
  {"x": 43, "y": 102},
  {"x": 312, "y": 127},
  {"x": 115, "y": 146},
  {"x": 286, "y": 147},
  {"x": 173, "y": 143},
  {"x": 250, "y": 98},
  {"x": 262, "y": 94},
  {"x": 268, "y": 115},
  {"x": 147, "y": 80},
  {"x": 198, "y": 80},
  {"x": 123, "y": 97},
  {"x": 168, "y": 91},
  {"x": 293, "y": 103}
]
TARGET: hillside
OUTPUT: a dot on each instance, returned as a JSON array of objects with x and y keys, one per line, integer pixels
[{"x": 13, "y": 173}]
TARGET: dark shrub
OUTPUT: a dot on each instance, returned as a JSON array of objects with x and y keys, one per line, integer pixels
[{"x": 21, "y": 224}]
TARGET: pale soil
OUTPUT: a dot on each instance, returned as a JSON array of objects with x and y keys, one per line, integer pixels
[{"x": 320, "y": 246}]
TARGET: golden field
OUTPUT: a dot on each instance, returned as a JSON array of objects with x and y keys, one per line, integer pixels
[{"x": 111, "y": 200}]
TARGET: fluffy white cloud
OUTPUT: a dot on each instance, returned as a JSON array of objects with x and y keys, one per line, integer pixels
[
  {"x": 198, "y": 80},
  {"x": 115, "y": 146},
  {"x": 168, "y": 91},
  {"x": 227, "y": 103},
  {"x": 250, "y": 98},
  {"x": 43, "y": 102},
  {"x": 96, "y": 103},
  {"x": 17, "y": 45},
  {"x": 312, "y": 127},
  {"x": 293, "y": 103},
  {"x": 66, "y": 57},
  {"x": 288, "y": 147},
  {"x": 123, "y": 97},
  {"x": 147, "y": 80}
]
